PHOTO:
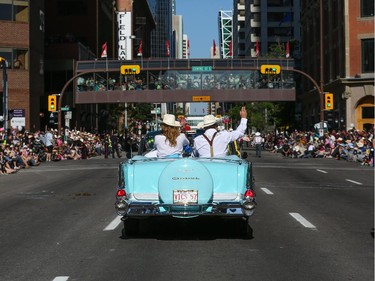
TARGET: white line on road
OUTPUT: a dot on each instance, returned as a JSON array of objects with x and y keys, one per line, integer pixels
[
  {"x": 359, "y": 183},
  {"x": 61, "y": 278},
  {"x": 324, "y": 172},
  {"x": 302, "y": 220},
  {"x": 113, "y": 224},
  {"x": 267, "y": 191}
]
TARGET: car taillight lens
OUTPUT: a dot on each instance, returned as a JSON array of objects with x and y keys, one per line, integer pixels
[
  {"x": 121, "y": 193},
  {"x": 249, "y": 193}
]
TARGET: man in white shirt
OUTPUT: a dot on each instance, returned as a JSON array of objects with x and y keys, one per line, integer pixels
[
  {"x": 214, "y": 143},
  {"x": 258, "y": 141}
]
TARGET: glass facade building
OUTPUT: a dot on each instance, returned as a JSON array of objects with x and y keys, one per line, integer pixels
[{"x": 161, "y": 36}]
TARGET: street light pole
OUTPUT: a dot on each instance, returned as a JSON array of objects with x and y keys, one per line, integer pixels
[
  {"x": 321, "y": 65},
  {"x": 4, "y": 63}
]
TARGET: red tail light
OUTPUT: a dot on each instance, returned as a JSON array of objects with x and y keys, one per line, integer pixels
[
  {"x": 249, "y": 193},
  {"x": 121, "y": 193}
]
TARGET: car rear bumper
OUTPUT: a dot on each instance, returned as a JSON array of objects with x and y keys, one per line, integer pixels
[{"x": 244, "y": 208}]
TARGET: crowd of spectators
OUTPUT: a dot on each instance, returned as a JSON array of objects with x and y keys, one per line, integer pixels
[
  {"x": 352, "y": 145},
  {"x": 22, "y": 150},
  {"x": 185, "y": 81}
]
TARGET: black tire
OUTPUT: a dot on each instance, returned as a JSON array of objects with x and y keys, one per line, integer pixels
[{"x": 247, "y": 230}]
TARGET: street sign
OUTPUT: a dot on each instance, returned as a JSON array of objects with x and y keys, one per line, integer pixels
[
  {"x": 18, "y": 121},
  {"x": 201, "y": 98},
  {"x": 18, "y": 112},
  {"x": 157, "y": 111},
  {"x": 201, "y": 68},
  {"x": 66, "y": 108}
]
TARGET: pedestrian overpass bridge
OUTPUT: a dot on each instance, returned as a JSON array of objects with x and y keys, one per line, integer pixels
[{"x": 183, "y": 80}]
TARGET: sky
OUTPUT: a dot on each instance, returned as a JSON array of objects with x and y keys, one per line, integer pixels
[{"x": 200, "y": 20}]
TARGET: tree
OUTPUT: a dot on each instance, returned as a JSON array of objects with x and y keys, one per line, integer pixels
[
  {"x": 264, "y": 116},
  {"x": 276, "y": 50}
]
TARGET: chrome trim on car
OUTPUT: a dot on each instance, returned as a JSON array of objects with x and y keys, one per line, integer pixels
[
  {"x": 226, "y": 196},
  {"x": 224, "y": 209},
  {"x": 216, "y": 196},
  {"x": 145, "y": 196}
]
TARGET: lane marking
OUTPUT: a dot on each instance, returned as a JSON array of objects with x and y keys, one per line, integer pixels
[
  {"x": 61, "y": 278},
  {"x": 302, "y": 220},
  {"x": 324, "y": 172},
  {"x": 355, "y": 182},
  {"x": 113, "y": 224},
  {"x": 267, "y": 191}
]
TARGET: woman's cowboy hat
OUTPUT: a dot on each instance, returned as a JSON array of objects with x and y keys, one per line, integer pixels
[
  {"x": 170, "y": 120},
  {"x": 208, "y": 120}
]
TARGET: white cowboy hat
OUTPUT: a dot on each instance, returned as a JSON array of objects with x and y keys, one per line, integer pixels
[
  {"x": 200, "y": 125},
  {"x": 208, "y": 120},
  {"x": 170, "y": 120},
  {"x": 257, "y": 134}
]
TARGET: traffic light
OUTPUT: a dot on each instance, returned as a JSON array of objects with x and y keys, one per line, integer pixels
[
  {"x": 270, "y": 69},
  {"x": 130, "y": 69},
  {"x": 52, "y": 103},
  {"x": 328, "y": 101}
]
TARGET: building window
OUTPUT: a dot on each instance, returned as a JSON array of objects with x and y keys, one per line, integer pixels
[
  {"x": 16, "y": 58},
  {"x": 13, "y": 10},
  {"x": 5, "y": 11},
  {"x": 367, "y": 112},
  {"x": 367, "y": 8},
  {"x": 367, "y": 55}
]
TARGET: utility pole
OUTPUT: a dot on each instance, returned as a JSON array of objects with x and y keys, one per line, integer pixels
[
  {"x": 321, "y": 66},
  {"x": 3, "y": 64}
]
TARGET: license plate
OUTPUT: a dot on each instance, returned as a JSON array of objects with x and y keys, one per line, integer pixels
[{"x": 185, "y": 197}]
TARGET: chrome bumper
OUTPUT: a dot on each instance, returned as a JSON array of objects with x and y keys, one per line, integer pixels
[{"x": 244, "y": 208}]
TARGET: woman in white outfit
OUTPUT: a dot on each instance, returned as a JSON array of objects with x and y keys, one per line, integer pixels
[{"x": 171, "y": 142}]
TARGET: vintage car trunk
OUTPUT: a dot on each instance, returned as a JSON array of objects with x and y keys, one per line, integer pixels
[{"x": 146, "y": 179}]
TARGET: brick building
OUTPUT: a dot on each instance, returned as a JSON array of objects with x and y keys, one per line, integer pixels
[
  {"x": 348, "y": 62},
  {"x": 22, "y": 45}
]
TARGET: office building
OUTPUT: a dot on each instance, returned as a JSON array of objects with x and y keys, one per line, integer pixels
[
  {"x": 347, "y": 65},
  {"x": 162, "y": 44},
  {"x": 269, "y": 24},
  {"x": 22, "y": 25}
]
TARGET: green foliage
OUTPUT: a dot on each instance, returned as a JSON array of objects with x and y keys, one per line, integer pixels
[
  {"x": 264, "y": 115},
  {"x": 140, "y": 111},
  {"x": 276, "y": 51}
]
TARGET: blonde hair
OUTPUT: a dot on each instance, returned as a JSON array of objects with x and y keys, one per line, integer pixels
[{"x": 171, "y": 134}]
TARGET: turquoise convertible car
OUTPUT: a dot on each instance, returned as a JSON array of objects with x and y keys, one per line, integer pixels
[{"x": 184, "y": 187}]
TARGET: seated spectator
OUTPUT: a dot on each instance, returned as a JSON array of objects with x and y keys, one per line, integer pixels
[
  {"x": 342, "y": 152},
  {"x": 285, "y": 149},
  {"x": 321, "y": 151},
  {"x": 6, "y": 169},
  {"x": 299, "y": 150},
  {"x": 33, "y": 159},
  {"x": 310, "y": 151}
]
